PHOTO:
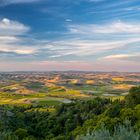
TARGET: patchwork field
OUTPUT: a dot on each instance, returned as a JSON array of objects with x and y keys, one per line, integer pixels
[{"x": 53, "y": 88}]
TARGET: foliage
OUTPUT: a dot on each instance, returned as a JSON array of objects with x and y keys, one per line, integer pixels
[
  {"x": 121, "y": 132},
  {"x": 133, "y": 98},
  {"x": 70, "y": 120}
]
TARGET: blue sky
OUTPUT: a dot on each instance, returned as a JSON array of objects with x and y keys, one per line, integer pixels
[{"x": 90, "y": 35}]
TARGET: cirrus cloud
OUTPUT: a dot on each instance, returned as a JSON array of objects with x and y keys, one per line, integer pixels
[
  {"x": 117, "y": 27},
  {"x": 124, "y": 57},
  {"x": 8, "y": 2}
]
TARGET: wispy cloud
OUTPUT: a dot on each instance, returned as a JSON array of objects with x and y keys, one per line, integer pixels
[
  {"x": 68, "y": 20},
  {"x": 16, "y": 50},
  {"x": 124, "y": 57},
  {"x": 11, "y": 28},
  {"x": 8, "y": 2},
  {"x": 96, "y": 0},
  {"x": 119, "y": 36},
  {"x": 132, "y": 8},
  {"x": 10, "y": 40},
  {"x": 80, "y": 44},
  {"x": 85, "y": 48},
  {"x": 109, "y": 28}
]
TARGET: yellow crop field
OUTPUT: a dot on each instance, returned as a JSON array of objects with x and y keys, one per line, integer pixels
[
  {"x": 118, "y": 79},
  {"x": 90, "y": 82},
  {"x": 74, "y": 81},
  {"x": 122, "y": 86}
]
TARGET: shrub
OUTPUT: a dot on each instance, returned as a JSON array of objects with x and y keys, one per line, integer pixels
[{"x": 121, "y": 132}]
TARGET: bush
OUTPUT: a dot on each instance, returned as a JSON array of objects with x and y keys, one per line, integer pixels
[
  {"x": 21, "y": 133},
  {"x": 7, "y": 136},
  {"x": 122, "y": 132}
]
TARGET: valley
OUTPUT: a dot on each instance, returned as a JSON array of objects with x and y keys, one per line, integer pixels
[{"x": 52, "y": 88}]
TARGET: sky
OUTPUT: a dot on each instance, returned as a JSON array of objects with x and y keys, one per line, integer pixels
[{"x": 85, "y": 35}]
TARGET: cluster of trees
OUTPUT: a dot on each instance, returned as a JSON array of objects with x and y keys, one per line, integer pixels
[{"x": 79, "y": 120}]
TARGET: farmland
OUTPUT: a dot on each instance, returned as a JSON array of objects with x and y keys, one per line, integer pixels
[
  {"x": 62, "y": 87},
  {"x": 67, "y": 105}
]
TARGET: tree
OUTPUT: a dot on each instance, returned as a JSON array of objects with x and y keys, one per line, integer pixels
[
  {"x": 133, "y": 98},
  {"x": 21, "y": 133}
]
